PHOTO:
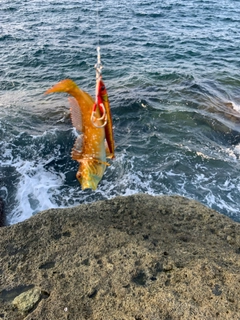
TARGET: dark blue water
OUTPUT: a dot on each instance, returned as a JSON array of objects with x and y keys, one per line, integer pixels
[{"x": 172, "y": 73}]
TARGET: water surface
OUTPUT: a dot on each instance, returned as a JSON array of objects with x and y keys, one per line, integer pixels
[{"x": 172, "y": 73}]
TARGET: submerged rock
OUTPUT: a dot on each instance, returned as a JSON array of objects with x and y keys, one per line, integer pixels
[{"x": 136, "y": 257}]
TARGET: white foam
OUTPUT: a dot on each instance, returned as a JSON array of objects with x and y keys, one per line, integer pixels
[
  {"x": 4, "y": 193},
  {"x": 40, "y": 189},
  {"x": 235, "y": 106},
  {"x": 34, "y": 191},
  {"x": 237, "y": 149},
  {"x": 200, "y": 154}
]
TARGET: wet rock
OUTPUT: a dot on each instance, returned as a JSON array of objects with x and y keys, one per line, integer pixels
[{"x": 136, "y": 257}]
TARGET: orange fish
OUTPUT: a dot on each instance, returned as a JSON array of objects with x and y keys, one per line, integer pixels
[{"x": 90, "y": 149}]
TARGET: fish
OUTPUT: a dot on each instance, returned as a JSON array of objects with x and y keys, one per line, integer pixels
[{"x": 95, "y": 143}]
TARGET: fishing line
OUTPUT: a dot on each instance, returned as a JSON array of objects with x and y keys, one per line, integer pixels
[
  {"x": 98, "y": 66},
  {"x": 97, "y": 5}
]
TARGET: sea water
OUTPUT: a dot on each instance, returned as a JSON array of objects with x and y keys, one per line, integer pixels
[{"x": 172, "y": 73}]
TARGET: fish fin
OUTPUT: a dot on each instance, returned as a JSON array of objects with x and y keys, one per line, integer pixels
[
  {"x": 77, "y": 149},
  {"x": 76, "y": 155},
  {"x": 109, "y": 155},
  {"x": 101, "y": 162},
  {"x": 76, "y": 115}
]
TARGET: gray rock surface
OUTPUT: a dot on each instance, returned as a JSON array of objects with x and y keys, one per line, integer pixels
[{"x": 130, "y": 258}]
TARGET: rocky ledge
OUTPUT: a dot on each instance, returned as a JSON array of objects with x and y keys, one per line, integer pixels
[{"x": 130, "y": 258}]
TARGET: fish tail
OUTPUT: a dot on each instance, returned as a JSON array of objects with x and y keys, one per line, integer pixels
[{"x": 66, "y": 85}]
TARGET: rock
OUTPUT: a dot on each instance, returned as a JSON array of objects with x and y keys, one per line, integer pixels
[
  {"x": 26, "y": 301},
  {"x": 2, "y": 216},
  {"x": 131, "y": 258}
]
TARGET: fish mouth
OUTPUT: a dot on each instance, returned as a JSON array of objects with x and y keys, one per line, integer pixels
[
  {"x": 86, "y": 184},
  {"x": 90, "y": 174},
  {"x": 89, "y": 183}
]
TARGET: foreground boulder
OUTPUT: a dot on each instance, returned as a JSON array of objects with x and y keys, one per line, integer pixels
[{"x": 133, "y": 258}]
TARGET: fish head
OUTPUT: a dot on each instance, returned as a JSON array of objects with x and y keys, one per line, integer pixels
[{"x": 90, "y": 173}]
